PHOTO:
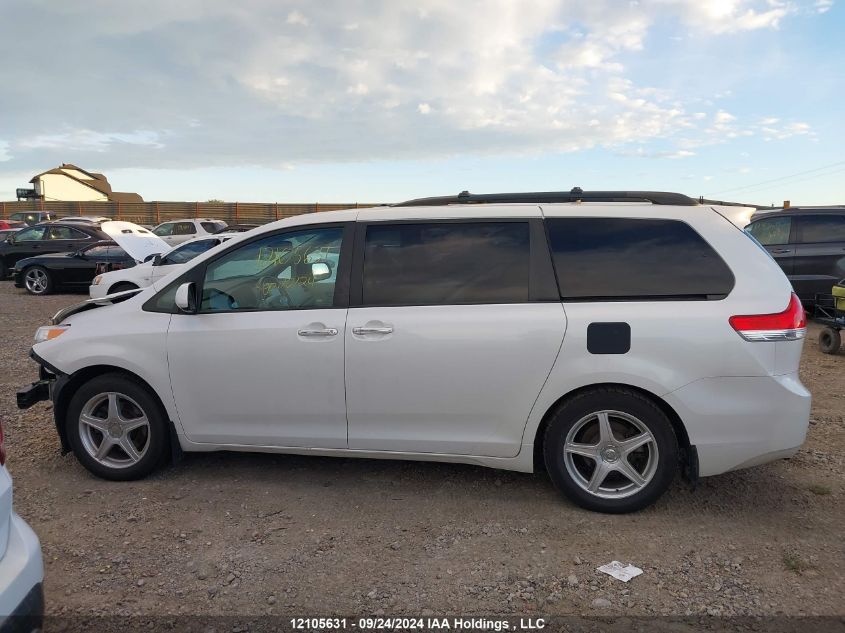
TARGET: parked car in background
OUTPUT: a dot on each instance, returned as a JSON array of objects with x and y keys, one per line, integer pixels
[
  {"x": 41, "y": 239},
  {"x": 4, "y": 233},
  {"x": 177, "y": 231},
  {"x": 7, "y": 225},
  {"x": 618, "y": 343},
  {"x": 86, "y": 219},
  {"x": 151, "y": 271},
  {"x": 31, "y": 218},
  {"x": 21, "y": 565},
  {"x": 42, "y": 274},
  {"x": 238, "y": 228},
  {"x": 808, "y": 243}
]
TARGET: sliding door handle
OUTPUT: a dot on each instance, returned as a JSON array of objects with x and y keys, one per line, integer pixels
[
  {"x": 362, "y": 331},
  {"x": 325, "y": 331}
]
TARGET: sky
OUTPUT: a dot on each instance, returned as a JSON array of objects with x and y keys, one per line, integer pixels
[{"x": 386, "y": 100}]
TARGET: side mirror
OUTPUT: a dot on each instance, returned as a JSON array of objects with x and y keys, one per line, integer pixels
[
  {"x": 320, "y": 271},
  {"x": 10, "y": 239},
  {"x": 185, "y": 298},
  {"x": 157, "y": 260}
]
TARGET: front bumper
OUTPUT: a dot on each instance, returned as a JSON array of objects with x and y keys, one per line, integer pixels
[
  {"x": 43, "y": 388},
  {"x": 21, "y": 578},
  {"x": 18, "y": 277}
]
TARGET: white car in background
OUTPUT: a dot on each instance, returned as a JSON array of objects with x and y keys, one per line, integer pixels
[
  {"x": 149, "y": 272},
  {"x": 177, "y": 231},
  {"x": 21, "y": 567}
]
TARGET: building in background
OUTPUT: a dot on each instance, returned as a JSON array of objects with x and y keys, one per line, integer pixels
[{"x": 72, "y": 183}]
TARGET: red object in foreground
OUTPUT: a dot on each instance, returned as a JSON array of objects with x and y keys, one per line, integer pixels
[{"x": 789, "y": 325}]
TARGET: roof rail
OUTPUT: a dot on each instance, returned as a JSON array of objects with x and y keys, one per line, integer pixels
[{"x": 536, "y": 197}]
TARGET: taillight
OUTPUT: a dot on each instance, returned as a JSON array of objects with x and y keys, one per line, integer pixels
[
  {"x": 789, "y": 325},
  {"x": 2, "y": 446}
]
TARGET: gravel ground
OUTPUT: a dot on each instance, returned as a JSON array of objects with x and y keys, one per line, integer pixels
[{"x": 273, "y": 534}]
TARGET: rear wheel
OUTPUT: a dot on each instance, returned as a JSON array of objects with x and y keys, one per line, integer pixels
[
  {"x": 117, "y": 428},
  {"x": 830, "y": 340},
  {"x": 37, "y": 281},
  {"x": 611, "y": 450}
]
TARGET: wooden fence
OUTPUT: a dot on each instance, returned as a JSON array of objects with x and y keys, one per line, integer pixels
[{"x": 152, "y": 213}]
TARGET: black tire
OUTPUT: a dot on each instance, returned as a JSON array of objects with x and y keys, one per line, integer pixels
[
  {"x": 579, "y": 415},
  {"x": 4, "y": 272},
  {"x": 830, "y": 340},
  {"x": 44, "y": 274},
  {"x": 120, "y": 287},
  {"x": 155, "y": 438}
]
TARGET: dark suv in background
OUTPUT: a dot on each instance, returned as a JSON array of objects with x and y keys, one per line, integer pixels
[{"x": 808, "y": 243}]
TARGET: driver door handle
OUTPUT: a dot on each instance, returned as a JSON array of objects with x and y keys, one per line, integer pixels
[
  {"x": 325, "y": 331},
  {"x": 361, "y": 331}
]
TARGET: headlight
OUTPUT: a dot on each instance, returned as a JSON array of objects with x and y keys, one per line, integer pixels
[
  {"x": 49, "y": 332},
  {"x": 97, "y": 280}
]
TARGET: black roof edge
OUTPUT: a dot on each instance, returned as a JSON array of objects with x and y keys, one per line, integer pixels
[{"x": 538, "y": 197}]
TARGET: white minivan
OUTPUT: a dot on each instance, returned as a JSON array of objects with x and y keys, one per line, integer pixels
[{"x": 614, "y": 338}]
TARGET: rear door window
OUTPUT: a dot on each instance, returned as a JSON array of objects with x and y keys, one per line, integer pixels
[
  {"x": 617, "y": 259},
  {"x": 446, "y": 263},
  {"x": 815, "y": 229},
  {"x": 771, "y": 231},
  {"x": 184, "y": 228}
]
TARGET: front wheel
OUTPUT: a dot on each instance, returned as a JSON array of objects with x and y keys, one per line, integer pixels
[
  {"x": 116, "y": 428},
  {"x": 37, "y": 281},
  {"x": 611, "y": 450}
]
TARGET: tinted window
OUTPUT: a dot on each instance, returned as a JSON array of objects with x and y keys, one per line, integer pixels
[
  {"x": 446, "y": 263},
  {"x": 184, "y": 228},
  {"x": 98, "y": 252},
  {"x": 187, "y": 252},
  {"x": 29, "y": 235},
  {"x": 771, "y": 231},
  {"x": 212, "y": 227},
  {"x": 822, "y": 228},
  {"x": 610, "y": 258},
  {"x": 164, "y": 229},
  {"x": 65, "y": 233},
  {"x": 275, "y": 273}
]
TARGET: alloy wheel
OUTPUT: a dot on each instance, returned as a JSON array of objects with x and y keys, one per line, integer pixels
[
  {"x": 114, "y": 430},
  {"x": 36, "y": 281},
  {"x": 611, "y": 454}
]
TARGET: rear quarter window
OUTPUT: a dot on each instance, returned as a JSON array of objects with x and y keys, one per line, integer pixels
[{"x": 618, "y": 259}]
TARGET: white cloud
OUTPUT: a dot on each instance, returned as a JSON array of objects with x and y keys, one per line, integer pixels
[
  {"x": 823, "y": 6},
  {"x": 295, "y": 17},
  {"x": 545, "y": 75},
  {"x": 4, "y": 151}
]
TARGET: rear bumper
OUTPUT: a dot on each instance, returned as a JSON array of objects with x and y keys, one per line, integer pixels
[
  {"x": 21, "y": 578},
  {"x": 738, "y": 422}
]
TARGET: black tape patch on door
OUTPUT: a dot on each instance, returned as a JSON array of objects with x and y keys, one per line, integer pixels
[{"x": 608, "y": 338}]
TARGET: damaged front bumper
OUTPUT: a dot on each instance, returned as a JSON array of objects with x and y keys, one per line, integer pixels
[{"x": 42, "y": 389}]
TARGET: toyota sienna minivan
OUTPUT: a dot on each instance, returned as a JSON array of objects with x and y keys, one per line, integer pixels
[{"x": 617, "y": 339}]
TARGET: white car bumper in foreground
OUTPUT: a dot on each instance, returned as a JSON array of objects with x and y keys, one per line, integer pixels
[{"x": 21, "y": 577}]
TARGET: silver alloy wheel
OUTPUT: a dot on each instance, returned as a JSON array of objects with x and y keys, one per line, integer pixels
[
  {"x": 36, "y": 281},
  {"x": 114, "y": 430},
  {"x": 610, "y": 454}
]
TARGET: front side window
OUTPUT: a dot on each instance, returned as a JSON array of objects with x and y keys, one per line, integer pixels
[
  {"x": 289, "y": 271},
  {"x": 822, "y": 228},
  {"x": 772, "y": 231},
  {"x": 187, "y": 252},
  {"x": 629, "y": 259},
  {"x": 65, "y": 233},
  {"x": 29, "y": 235},
  {"x": 446, "y": 263},
  {"x": 164, "y": 229}
]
